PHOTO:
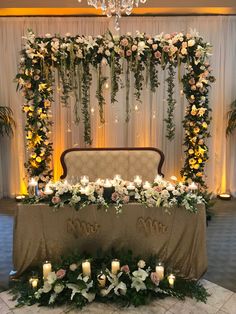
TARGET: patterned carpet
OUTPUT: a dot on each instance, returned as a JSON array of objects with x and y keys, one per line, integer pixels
[{"x": 221, "y": 242}]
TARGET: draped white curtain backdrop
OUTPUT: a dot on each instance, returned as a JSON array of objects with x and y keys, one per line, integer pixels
[{"x": 146, "y": 127}]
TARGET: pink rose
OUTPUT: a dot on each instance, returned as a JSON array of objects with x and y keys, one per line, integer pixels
[
  {"x": 154, "y": 46},
  {"x": 125, "y": 269},
  {"x": 134, "y": 48},
  {"x": 61, "y": 273},
  {"x": 157, "y": 188},
  {"x": 191, "y": 81},
  {"x": 126, "y": 199},
  {"x": 167, "y": 36},
  {"x": 128, "y": 53},
  {"x": 114, "y": 196},
  {"x": 157, "y": 55},
  {"x": 166, "y": 48},
  {"x": 56, "y": 200},
  {"x": 154, "y": 278},
  {"x": 124, "y": 42}
]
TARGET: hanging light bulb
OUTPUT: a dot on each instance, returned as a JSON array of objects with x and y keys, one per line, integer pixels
[{"x": 106, "y": 85}]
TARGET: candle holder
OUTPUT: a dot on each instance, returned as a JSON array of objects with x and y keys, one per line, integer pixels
[
  {"x": 32, "y": 187},
  {"x": 224, "y": 197},
  {"x": 107, "y": 191},
  {"x": 171, "y": 280},
  {"x": 160, "y": 270},
  {"x": 101, "y": 278},
  {"x": 20, "y": 198},
  {"x": 115, "y": 266},
  {"x": 34, "y": 281}
]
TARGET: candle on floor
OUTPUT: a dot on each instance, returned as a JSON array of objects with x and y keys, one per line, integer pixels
[
  {"x": 20, "y": 198},
  {"x": 86, "y": 268},
  {"x": 160, "y": 270},
  {"x": 115, "y": 266},
  {"x": 102, "y": 280},
  {"x": 171, "y": 280},
  {"x": 147, "y": 185},
  {"x": 34, "y": 282},
  {"x": 84, "y": 180},
  {"x": 47, "y": 268},
  {"x": 225, "y": 196},
  {"x": 138, "y": 180}
]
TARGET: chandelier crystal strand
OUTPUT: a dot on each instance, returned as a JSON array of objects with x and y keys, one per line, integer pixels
[{"x": 115, "y": 8}]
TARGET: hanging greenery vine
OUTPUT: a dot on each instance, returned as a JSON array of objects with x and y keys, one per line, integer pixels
[
  {"x": 99, "y": 94},
  {"x": 86, "y": 81},
  {"x": 170, "y": 125},
  {"x": 73, "y": 57}
]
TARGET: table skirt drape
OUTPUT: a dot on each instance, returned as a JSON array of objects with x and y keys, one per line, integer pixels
[{"x": 45, "y": 233}]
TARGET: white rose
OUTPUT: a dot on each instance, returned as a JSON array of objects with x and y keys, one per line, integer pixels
[
  {"x": 68, "y": 34},
  {"x": 58, "y": 288},
  {"x": 110, "y": 44},
  {"x": 107, "y": 53},
  {"x": 73, "y": 267},
  {"x": 191, "y": 42},
  {"x": 141, "y": 264},
  {"x": 47, "y": 287},
  {"x": 48, "y": 35}
]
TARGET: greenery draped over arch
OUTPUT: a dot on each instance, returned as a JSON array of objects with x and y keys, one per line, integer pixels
[{"x": 69, "y": 61}]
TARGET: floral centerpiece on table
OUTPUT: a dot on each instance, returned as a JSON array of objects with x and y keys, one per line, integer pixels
[{"x": 118, "y": 192}]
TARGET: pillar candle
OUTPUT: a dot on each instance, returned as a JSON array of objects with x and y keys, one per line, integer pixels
[
  {"x": 86, "y": 268},
  {"x": 138, "y": 180},
  {"x": 160, "y": 271},
  {"x": 115, "y": 266},
  {"x": 47, "y": 268},
  {"x": 84, "y": 180}
]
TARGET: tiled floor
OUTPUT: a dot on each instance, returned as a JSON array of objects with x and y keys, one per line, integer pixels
[{"x": 221, "y": 301}]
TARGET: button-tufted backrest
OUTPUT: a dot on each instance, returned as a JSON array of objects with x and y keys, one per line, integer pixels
[{"x": 106, "y": 162}]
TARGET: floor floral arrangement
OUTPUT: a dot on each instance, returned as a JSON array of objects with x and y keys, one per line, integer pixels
[
  {"x": 118, "y": 192},
  {"x": 125, "y": 280}
]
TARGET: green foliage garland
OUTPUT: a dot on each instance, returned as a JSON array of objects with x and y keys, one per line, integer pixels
[{"x": 170, "y": 125}]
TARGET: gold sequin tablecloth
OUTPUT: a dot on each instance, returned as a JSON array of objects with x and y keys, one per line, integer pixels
[{"x": 45, "y": 233}]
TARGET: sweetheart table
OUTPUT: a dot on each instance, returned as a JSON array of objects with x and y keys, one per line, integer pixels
[{"x": 45, "y": 233}]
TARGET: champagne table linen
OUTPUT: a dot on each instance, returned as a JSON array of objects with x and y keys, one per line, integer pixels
[{"x": 45, "y": 233}]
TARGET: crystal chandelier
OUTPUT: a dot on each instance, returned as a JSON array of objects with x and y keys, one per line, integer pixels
[{"x": 115, "y": 7}]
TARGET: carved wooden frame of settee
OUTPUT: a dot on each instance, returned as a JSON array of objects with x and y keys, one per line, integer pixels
[{"x": 158, "y": 151}]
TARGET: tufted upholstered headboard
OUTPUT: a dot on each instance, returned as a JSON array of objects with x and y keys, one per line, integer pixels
[{"x": 106, "y": 162}]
